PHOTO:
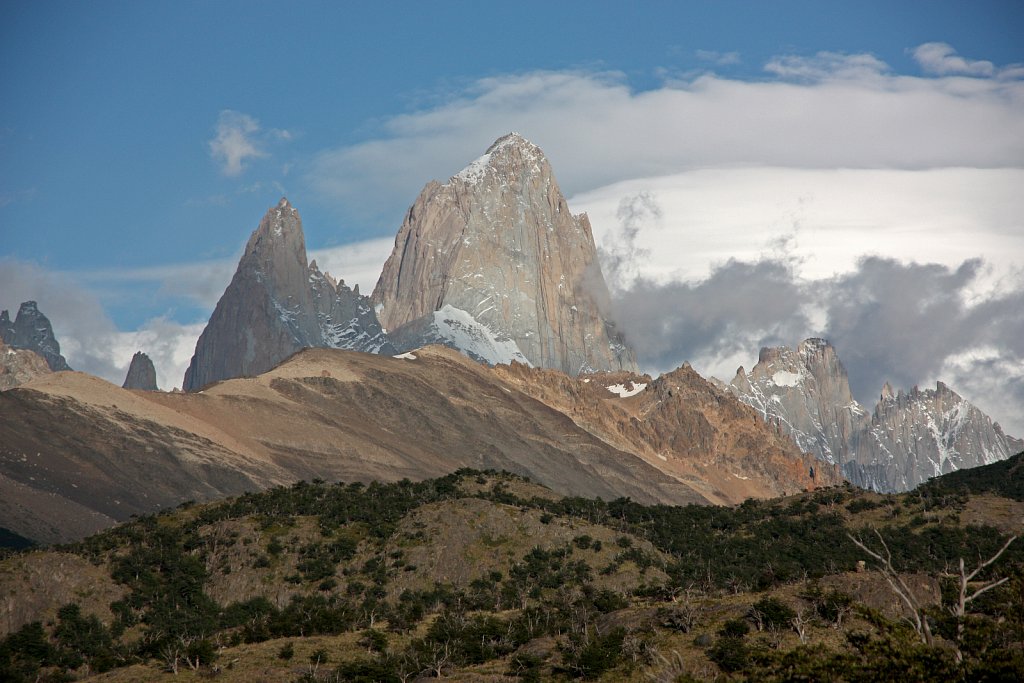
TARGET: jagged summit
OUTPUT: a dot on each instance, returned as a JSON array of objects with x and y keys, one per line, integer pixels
[
  {"x": 909, "y": 437},
  {"x": 806, "y": 392},
  {"x": 509, "y": 154},
  {"x": 493, "y": 263},
  {"x": 919, "y": 434},
  {"x": 278, "y": 303},
  {"x": 31, "y": 330},
  {"x": 141, "y": 373}
]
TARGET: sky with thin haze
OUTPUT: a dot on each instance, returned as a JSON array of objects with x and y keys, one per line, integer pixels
[{"x": 755, "y": 173}]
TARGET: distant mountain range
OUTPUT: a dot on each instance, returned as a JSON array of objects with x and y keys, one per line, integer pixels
[
  {"x": 298, "y": 376},
  {"x": 907, "y": 439}
]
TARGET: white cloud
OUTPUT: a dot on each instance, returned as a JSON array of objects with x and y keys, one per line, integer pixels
[
  {"x": 823, "y": 112},
  {"x": 828, "y": 219},
  {"x": 235, "y": 142},
  {"x": 168, "y": 344},
  {"x": 359, "y": 263},
  {"x": 199, "y": 284},
  {"x": 942, "y": 59},
  {"x": 828, "y": 66},
  {"x": 240, "y": 138}
]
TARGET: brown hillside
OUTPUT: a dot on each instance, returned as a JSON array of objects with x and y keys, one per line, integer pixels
[{"x": 336, "y": 415}]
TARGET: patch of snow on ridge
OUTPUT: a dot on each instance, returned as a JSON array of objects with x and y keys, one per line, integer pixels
[
  {"x": 783, "y": 378},
  {"x": 475, "y": 339},
  {"x": 476, "y": 170},
  {"x": 623, "y": 392}
]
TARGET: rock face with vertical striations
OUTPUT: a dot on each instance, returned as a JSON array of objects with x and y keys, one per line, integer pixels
[
  {"x": 806, "y": 392},
  {"x": 141, "y": 373},
  {"x": 909, "y": 438},
  {"x": 493, "y": 263},
  {"x": 922, "y": 434},
  {"x": 32, "y": 330},
  {"x": 278, "y": 304}
]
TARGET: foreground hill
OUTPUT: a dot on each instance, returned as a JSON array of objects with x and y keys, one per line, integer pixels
[
  {"x": 78, "y": 454},
  {"x": 480, "y": 576}
]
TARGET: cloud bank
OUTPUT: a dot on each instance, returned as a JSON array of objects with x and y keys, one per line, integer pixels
[
  {"x": 900, "y": 321},
  {"x": 827, "y": 111}
]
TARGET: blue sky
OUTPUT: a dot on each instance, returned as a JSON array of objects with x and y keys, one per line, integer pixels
[{"x": 141, "y": 142}]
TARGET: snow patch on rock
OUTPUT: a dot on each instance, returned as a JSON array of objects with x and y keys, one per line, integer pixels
[
  {"x": 784, "y": 378},
  {"x": 623, "y": 391},
  {"x": 465, "y": 333}
]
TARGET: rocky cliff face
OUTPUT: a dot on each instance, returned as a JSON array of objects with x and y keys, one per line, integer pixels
[
  {"x": 922, "y": 434},
  {"x": 805, "y": 391},
  {"x": 494, "y": 264},
  {"x": 32, "y": 330},
  {"x": 18, "y": 366},
  {"x": 908, "y": 439},
  {"x": 276, "y": 305},
  {"x": 141, "y": 373}
]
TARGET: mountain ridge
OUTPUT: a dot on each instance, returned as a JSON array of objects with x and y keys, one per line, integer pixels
[
  {"x": 907, "y": 438},
  {"x": 276, "y": 304}
]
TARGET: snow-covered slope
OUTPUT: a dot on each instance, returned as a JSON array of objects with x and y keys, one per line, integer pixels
[{"x": 457, "y": 329}]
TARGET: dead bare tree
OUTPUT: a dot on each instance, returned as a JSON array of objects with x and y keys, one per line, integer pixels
[
  {"x": 800, "y": 623},
  {"x": 960, "y": 608},
  {"x": 917, "y": 616},
  {"x": 171, "y": 654},
  {"x": 440, "y": 658}
]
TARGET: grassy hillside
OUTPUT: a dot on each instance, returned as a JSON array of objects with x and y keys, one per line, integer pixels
[{"x": 487, "y": 577}]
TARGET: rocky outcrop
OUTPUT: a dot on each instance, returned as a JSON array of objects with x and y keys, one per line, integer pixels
[
  {"x": 18, "y": 366},
  {"x": 908, "y": 439},
  {"x": 141, "y": 373},
  {"x": 922, "y": 434},
  {"x": 276, "y": 305},
  {"x": 32, "y": 330},
  {"x": 806, "y": 393},
  {"x": 494, "y": 264}
]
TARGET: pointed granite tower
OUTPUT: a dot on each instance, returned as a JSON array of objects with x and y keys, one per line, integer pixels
[{"x": 494, "y": 264}]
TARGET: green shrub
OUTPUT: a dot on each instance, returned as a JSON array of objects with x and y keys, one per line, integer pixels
[{"x": 772, "y": 613}]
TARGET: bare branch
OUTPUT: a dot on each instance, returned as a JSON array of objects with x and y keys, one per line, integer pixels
[
  {"x": 991, "y": 559},
  {"x": 899, "y": 587}
]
